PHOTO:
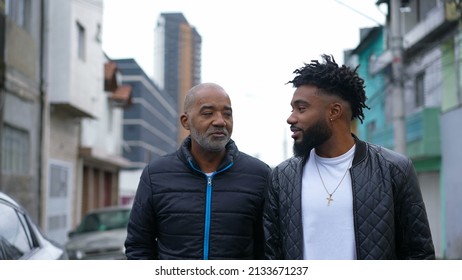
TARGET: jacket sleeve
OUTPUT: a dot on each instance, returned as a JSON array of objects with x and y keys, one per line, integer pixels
[
  {"x": 271, "y": 228},
  {"x": 141, "y": 241},
  {"x": 413, "y": 236},
  {"x": 258, "y": 238},
  {"x": 259, "y": 243}
]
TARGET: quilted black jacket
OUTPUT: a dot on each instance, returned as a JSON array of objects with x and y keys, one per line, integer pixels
[
  {"x": 181, "y": 213},
  {"x": 390, "y": 220}
]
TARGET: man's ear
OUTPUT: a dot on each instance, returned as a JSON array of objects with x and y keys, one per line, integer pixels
[
  {"x": 336, "y": 110},
  {"x": 184, "y": 121}
]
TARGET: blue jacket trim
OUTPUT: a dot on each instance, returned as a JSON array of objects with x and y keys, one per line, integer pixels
[{"x": 208, "y": 205}]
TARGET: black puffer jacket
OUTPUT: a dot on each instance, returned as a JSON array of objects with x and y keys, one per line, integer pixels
[
  {"x": 181, "y": 213},
  {"x": 390, "y": 220}
]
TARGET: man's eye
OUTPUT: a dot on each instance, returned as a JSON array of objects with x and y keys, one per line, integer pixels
[
  {"x": 207, "y": 113},
  {"x": 301, "y": 109}
]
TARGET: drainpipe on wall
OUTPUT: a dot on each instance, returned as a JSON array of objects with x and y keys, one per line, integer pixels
[
  {"x": 2, "y": 77},
  {"x": 43, "y": 151}
]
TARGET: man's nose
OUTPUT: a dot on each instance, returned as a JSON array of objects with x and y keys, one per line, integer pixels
[
  {"x": 291, "y": 119},
  {"x": 219, "y": 120}
]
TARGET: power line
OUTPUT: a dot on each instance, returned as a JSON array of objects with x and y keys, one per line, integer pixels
[{"x": 358, "y": 12}]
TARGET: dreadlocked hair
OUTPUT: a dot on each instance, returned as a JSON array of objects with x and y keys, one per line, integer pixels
[{"x": 333, "y": 79}]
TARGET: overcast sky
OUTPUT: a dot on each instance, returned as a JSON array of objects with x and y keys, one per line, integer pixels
[{"x": 251, "y": 48}]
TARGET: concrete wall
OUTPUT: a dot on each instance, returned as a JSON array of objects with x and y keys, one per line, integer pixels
[
  {"x": 71, "y": 79},
  {"x": 21, "y": 110},
  {"x": 430, "y": 186},
  {"x": 77, "y": 83},
  {"x": 452, "y": 181},
  {"x": 104, "y": 133}
]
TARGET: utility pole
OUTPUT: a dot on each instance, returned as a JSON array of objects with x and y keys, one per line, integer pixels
[{"x": 396, "y": 40}]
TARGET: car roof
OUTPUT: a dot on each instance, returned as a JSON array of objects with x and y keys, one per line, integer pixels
[{"x": 9, "y": 199}]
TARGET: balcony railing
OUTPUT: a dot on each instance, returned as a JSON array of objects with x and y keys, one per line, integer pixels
[{"x": 422, "y": 134}]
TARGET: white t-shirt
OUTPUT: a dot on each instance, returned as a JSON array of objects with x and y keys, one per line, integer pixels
[{"x": 328, "y": 230}]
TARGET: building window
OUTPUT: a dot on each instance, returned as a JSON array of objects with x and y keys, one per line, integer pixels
[
  {"x": 98, "y": 36},
  {"x": 59, "y": 180},
  {"x": 57, "y": 222},
  {"x": 372, "y": 60},
  {"x": 19, "y": 12},
  {"x": 15, "y": 151},
  {"x": 423, "y": 8},
  {"x": 81, "y": 42},
  {"x": 110, "y": 117},
  {"x": 419, "y": 90},
  {"x": 59, "y": 193}
]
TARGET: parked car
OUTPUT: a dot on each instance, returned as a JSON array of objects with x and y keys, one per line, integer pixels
[
  {"x": 21, "y": 238},
  {"x": 100, "y": 235}
]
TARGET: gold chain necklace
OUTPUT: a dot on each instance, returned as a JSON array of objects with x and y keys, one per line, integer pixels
[{"x": 329, "y": 198}]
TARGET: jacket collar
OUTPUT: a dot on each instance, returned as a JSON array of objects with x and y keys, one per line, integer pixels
[
  {"x": 184, "y": 153},
  {"x": 360, "y": 151}
]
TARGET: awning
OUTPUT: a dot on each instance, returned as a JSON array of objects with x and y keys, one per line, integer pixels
[
  {"x": 92, "y": 156},
  {"x": 122, "y": 96}
]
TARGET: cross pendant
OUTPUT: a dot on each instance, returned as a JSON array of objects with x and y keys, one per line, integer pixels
[{"x": 329, "y": 199}]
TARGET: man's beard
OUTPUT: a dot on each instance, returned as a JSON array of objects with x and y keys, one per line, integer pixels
[
  {"x": 311, "y": 138},
  {"x": 208, "y": 143}
]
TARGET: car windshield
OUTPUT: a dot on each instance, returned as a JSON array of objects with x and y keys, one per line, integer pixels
[{"x": 102, "y": 221}]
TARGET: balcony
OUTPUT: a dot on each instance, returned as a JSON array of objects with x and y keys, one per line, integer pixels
[
  {"x": 438, "y": 19},
  {"x": 422, "y": 135}
]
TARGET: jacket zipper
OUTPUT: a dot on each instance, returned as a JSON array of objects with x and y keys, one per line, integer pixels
[{"x": 208, "y": 205}]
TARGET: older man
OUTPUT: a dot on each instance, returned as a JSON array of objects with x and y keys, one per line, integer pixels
[{"x": 205, "y": 201}]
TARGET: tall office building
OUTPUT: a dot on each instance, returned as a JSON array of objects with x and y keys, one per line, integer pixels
[
  {"x": 149, "y": 125},
  {"x": 177, "y": 59}
]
